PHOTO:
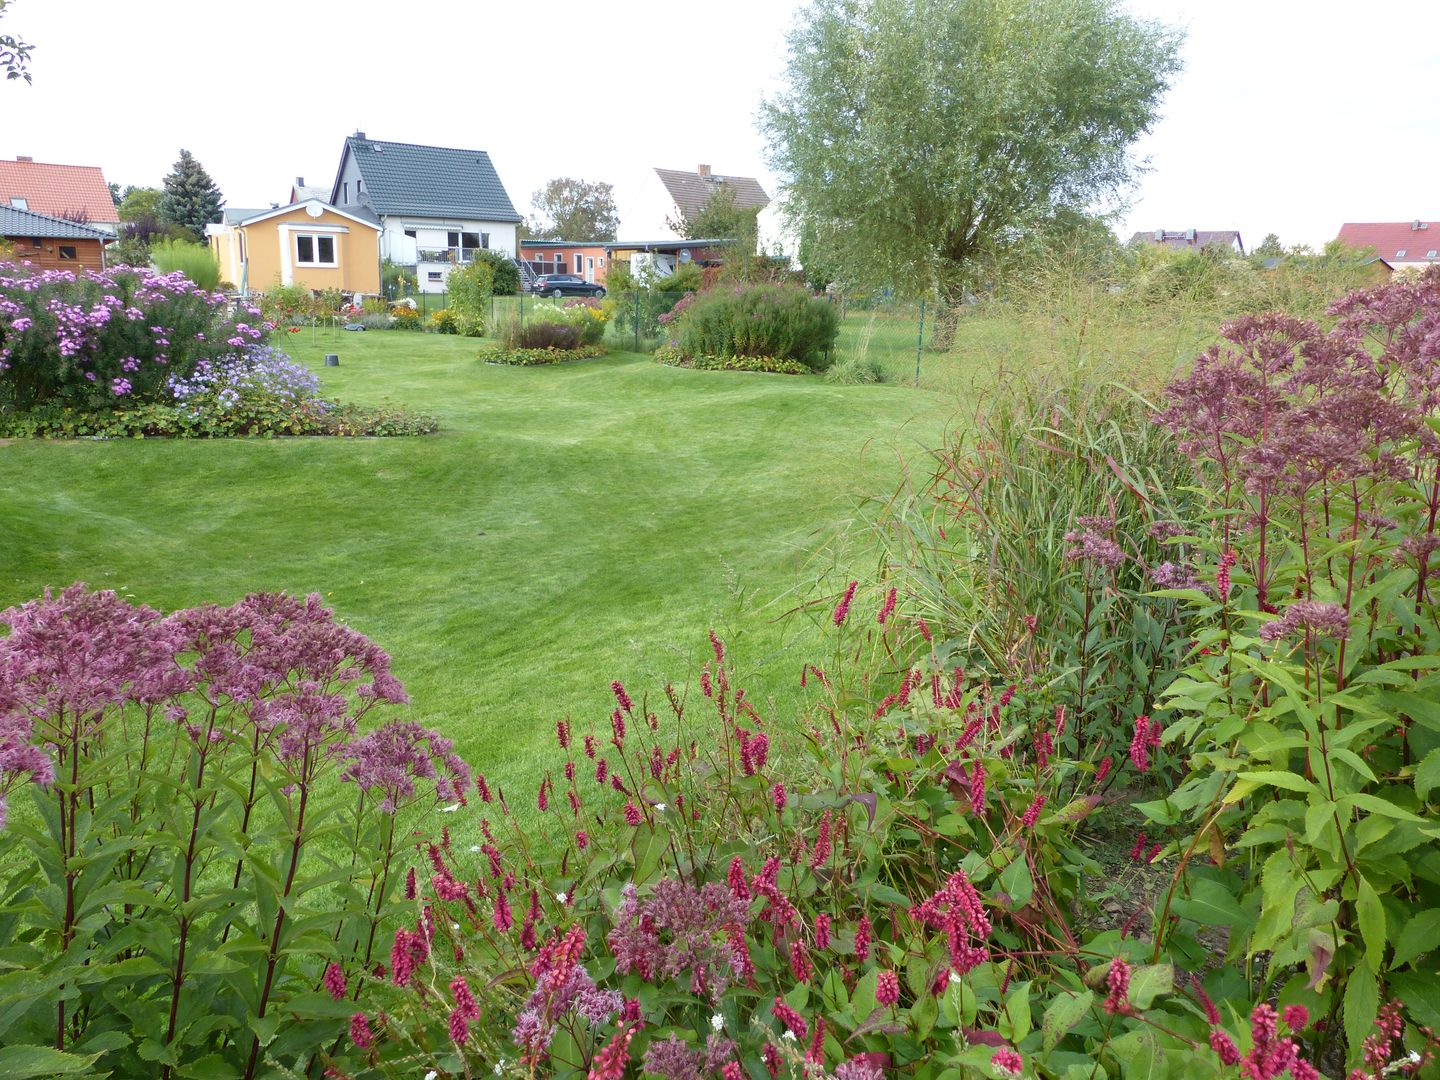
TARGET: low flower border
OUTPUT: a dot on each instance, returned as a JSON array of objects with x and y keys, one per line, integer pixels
[
  {"x": 771, "y": 365},
  {"x": 493, "y": 354}
]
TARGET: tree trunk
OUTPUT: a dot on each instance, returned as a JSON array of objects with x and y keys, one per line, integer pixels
[{"x": 948, "y": 307}]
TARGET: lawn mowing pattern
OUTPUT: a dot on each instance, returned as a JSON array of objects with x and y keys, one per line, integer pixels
[{"x": 569, "y": 525}]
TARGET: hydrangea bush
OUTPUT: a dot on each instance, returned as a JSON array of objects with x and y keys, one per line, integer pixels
[{"x": 98, "y": 337}]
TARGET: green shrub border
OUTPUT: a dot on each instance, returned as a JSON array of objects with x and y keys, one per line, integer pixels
[
  {"x": 768, "y": 365},
  {"x": 494, "y": 354}
]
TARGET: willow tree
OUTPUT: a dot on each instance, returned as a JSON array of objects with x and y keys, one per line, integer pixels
[{"x": 916, "y": 136}]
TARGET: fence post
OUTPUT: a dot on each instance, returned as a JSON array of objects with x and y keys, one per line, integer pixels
[
  {"x": 919, "y": 341},
  {"x": 637, "y": 318}
]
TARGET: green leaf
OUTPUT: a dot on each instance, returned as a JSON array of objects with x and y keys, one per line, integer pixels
[
  {"x": 1067, "y": 1010},
  {"x": 1210, "y": 904},
  {"x": 1017, "y": 883},
  {"x": 1278, "y": 778},
  {"x": 1139, "y": 1055},
  {"x": 1427, "y": 776},
  {"x": 1149, "y": 982},
  {"x": 1372, "y": 924},
  {"x": 20, "y": 1062},
  {"x": 1362, "y": 1003},
  {"x": 1421, "y": 935}
]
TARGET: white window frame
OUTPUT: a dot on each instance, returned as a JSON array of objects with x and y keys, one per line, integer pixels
[
  {"x": 315, "y": 239},
  {"x": 19, "y": 203}
]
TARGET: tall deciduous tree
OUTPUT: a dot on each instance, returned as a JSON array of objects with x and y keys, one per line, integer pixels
[
  {"x": 571, "y": 209},
  {"x": 919, "y": 135},
  {"x": 191, "y": 199},
  {"x": 14, "y": 53}
]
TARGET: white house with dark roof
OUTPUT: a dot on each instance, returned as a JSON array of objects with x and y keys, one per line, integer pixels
[
  {"x": 652, "y": 200},
  {"x": 436, "y": 206}
]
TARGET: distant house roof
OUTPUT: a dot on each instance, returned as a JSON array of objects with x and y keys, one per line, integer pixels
[
  {"x": 320, "y": 205},
  {"x": 300, "y": 191},
  {"x": 1182, "y": 239},
  {"x": 58, "y": 190},
  {"x": 692, "y": 190},
  {"x": 233, "y": 215},
  {"x": 1399, "y": 243},
  {"x": 664, "y": 245},
  {"x": 427, "y": 181},
  {"x": 27, "y": 223}
]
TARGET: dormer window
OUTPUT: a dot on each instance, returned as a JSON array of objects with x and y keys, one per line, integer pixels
[
  {"x": 18, "y": 203},
  {"x": 1400, "y": 254},
  {"x": 1430, "y": 254}
]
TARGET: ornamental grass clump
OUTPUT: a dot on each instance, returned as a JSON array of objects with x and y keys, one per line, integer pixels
[
  {"x": 105, "y": 338},
  {"x": 207, "y": 834}
]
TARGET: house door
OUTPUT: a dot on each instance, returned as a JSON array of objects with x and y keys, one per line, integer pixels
[{"x": 589, "y": 268}]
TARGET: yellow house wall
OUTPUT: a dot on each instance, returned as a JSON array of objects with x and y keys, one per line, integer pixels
[{"x": 357, "y": 253}]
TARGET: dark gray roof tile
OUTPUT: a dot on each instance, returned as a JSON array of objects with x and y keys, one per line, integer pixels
[
  {"x": 27, "y": 223},
  {"x": 430, "y": 181}
]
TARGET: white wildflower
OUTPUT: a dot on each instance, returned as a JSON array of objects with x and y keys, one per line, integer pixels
[
  {"x": 563, "y": 898},
  {"x": 717, "y": 1022},
  {"x": 660, "y": 806},
  {"x": 450, "y": 809}
]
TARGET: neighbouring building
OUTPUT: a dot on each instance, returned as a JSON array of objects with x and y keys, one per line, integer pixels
[
  {"x": 308, "y": 243},
  {"x": 52, "y": 243},
  {"x": 300, "y": 191},
  {"x": 435, "y": 206},
  {"x": 1405, "y": 245},
  {"x": 73, "y": 192},
  {"x": 651, "y": 201},
  {"x": 584, "y": 258},
  {"x": 1192, "y": 239}
]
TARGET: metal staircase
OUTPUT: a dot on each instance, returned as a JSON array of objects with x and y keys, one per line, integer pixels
[{"x": 527, "y": 275}]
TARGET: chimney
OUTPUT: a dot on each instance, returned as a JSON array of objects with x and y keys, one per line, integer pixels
[
  {"x": 299, "y": 181},
  {"x": 359, "y": 134},
  {"x": 1190, "y": 235},
  {"x": 24, "y": 157},
  {"x": 703, "y": 170},
  {"x": 1159, "y": 236},
  {"x": 1415, "y": 226}
]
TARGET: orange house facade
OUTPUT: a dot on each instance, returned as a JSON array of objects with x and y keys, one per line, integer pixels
[
  {"x": 310, "y": 243},
  {"x": 583, "y": 259}
]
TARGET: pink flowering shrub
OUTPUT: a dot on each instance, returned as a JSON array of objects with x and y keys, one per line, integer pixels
[
  {"x": 99, "y": 338},
  {"x": 207, "y": 854}
]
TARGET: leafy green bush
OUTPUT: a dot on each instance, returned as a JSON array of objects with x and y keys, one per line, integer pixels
[
  {"x": 506, "y": 279},
  {"x": 783, "y": 321},
  {"x": 579, "y": 324},
  {"x": 442, "y": 321},
  {"x": 470, "y": 287},
  {"x": 533, "y": 356},
  {"x": 195, "y": 261},
  {"x": 674, "y": 357},
  {"x": 287, "y": 305},
  {"x": 396, "y": 281}
]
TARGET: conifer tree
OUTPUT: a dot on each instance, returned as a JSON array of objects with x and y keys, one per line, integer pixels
[{"x": 191, "y": 199}]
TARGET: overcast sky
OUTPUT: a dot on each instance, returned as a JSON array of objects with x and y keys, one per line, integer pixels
[{"x": 1290, "y": 116}]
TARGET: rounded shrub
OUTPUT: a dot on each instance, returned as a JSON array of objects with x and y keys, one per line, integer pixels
[{"x": 781, "y": 321}]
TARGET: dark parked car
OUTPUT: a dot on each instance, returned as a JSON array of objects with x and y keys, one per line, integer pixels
[{"x": 566, "y": 285}]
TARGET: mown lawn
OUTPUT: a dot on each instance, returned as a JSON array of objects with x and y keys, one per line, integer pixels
[{"x": 568, "y": 526}]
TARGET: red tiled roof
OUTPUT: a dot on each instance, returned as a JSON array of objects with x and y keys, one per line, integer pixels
[
  {"x": 1416, "y": 239},
  {"x": 692, "y": 190},
  {"x": 58, "y": 190}
]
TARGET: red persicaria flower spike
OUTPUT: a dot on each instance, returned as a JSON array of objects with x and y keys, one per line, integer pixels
[
  {"x": 777, "y": 794},
  {"x": 618, "y": 688},
  {"x": 1296, "y": 1017},
  {"x": 504, "y": 919},
  {"x": 793, "y": 1021},
  {"x": 736, "y": 879},
  {"x": 800, "y": 965},
  {"x": 482, "y": 787},
  {"x": 1103, "y": 771},
  {"x": 562, "y": 734},
  {"x": 731, "y": 1071},
  {"x": 1007, "y": 695},
  {"x": 1008, "y": 1061},
  {"x": 887, "y": 608},
  {"x": 1225, "y": 1046},
  {"x": 1118, "y": 983},
  {"x": 410, "y": 884},
  {"x": 617, "y": 727},
  {"x": 822, "y": 843},
  {"x": 1138, "y": 848},
  {"x": 924, "y": 628},
  {"x": 335, "y": 981},
  {"x": 1154, "y": 851},
  {"x": 887, "y": 988},
  {"x": 816, "y": 1054},
  {"x": 633, "y": 816},
  {"x": 1032, "y": 813},
  {"x": 843, "y": 608},
  {"x": 542, "y": 800},
  {"x": 862, "y": 938},
  {"x": 582, "y": 839},
  {"x": 1212, "y": 1014},
  {"x": 822, "y": 931},
  {"x": 602, "y": 771},
  {"x": 706, "y": 688},
  {"x": 360, "y": 1033},
  {"x": 465, "y": 1003},
  {"x": 590, "y": 747},
  {"x": 977, "y": 788},
  {"x": 771, "y": 1056},
  {"x": 610, "y": 1062},
  {"x": 718, "y": 646},
  {"x": 1140, "y": 744}
]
